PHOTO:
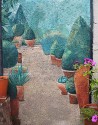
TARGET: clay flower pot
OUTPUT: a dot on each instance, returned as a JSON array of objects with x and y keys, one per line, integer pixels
[
  {"x": 58, "y": 62},
  {"x": 89, "y": 122},
  {"x": 30, "y": 42},
  {"x": 82, "y": 86},
  {"x": 53, "y": 60},
  {"x": 20, "y": 93},
  {"x": 14, "y": 104},
  {"x": 68, "y": 73},
  {"x": 3, "y": 86},
  {"x": 19, "y": 57},
  {"x": 73, "y": 98},
  {"x": 62, "y": 87}
]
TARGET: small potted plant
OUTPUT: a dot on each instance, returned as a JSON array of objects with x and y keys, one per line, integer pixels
[
  {"x": 70, "y": 87},
  {"x": 82, "y": 81},
  {"x": 52, "y": 53},
  {"x": 18, "y": 30},
  {"x": 89, "y": 114},
  {"x": 16, "y": 89},
  {"x": 30, "y": 37},
  {"x": 61, "y": 85},
  {"x": 18, "y": 79}
]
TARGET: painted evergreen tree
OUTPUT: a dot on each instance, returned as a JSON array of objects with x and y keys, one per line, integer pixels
[
  {"x": 78, "y": 44},
  {"x": 19, "y": 17}
]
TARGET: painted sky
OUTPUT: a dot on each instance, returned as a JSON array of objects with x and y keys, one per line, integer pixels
[{"x": 55, "y": 14}]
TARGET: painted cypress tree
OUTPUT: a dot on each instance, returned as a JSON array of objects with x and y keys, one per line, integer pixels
[{"x": 78, "y": 44}]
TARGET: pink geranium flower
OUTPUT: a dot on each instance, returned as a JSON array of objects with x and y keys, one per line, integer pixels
[
  {"x": 94, "y": 118},
  {"x": 89, "y": 61}
]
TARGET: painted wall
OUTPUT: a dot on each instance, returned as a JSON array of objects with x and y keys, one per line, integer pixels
[
  {"x": 61, "y": 20},
  {"x": 95, "y": 34}
]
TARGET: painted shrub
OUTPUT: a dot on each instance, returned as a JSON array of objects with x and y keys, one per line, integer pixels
[
  {"x": 10, "y": 54},
  {"x": 48, "y": 41},
  {"x": 78, "y": 44}
]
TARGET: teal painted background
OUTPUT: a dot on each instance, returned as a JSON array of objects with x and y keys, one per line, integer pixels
[
  {"x": 64, "y": 21},
  {"x": 46, "y": 16}
]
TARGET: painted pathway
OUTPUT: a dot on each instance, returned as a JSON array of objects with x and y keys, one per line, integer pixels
[{"x": 44, "y": 105}]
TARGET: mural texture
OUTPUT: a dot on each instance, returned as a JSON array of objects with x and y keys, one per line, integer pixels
[{"x": 46, "y": 21}]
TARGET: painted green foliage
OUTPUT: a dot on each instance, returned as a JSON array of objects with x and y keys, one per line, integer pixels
[
  {"x": 10, "y": 54},
  {"x": 78, "y": 44},
  {"x": 70, "y": 86},
  {"x": 49, "y": 40},
  {"x": 18, "y": 29},
  {"x": 29, "y": 34},
  {"x": 52, "y": 50}
]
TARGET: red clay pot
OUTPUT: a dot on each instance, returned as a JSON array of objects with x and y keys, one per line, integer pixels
[
  {"x": 20, "y": 93},
  {"x": 82, "y": 86},
  {"x": 3, "y": 86},
  {"x": 62, "y": 87},
  {"x": 53, "y": 60},
  {"x": 73, "y": 98},
  {"x": 58, "y": 62},
  {"x": 87, "y": 122},
  {"x": 68, "y": 73},
  {"x": 30, "y": 42},
  {"x": 14, "y": 104},
  {"x": 19, "y": 57}
]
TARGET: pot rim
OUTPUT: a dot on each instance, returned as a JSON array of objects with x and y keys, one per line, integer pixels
[
  {"x": 68, "y": 70},
  {"x": 72, "y": 94}
]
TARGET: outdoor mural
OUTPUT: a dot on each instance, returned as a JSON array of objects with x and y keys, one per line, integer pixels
[
  {"x": 61, "y": 29},
  {"x": 46, "y": 21}
]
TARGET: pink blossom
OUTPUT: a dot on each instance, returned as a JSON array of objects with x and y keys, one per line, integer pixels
[
  {"x": 89, "y": 61},
  {"x": 94, "y": 118}
]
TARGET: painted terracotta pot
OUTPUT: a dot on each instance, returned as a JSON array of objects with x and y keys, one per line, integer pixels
[
  {"x": 19, "y": 57},
  {"x": 62, "y": 87},
  {"x": 82, "y": 86},
  {"x": 87, "y": 122},
  {"x": 73, "y": 98},
  {"x": 58, "y": 62},
  {"x": 14, "y": 104},
  {"x": 3, "y": 86},
  {"x": 20, "y": 93},
  {"x": 68, "y": 73},
  {"x": 30, "y": 42},
  {"x": 53, "y": 60}
]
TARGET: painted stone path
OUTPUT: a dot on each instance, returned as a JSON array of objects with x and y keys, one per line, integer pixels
[{"x": 44, "y": 104}]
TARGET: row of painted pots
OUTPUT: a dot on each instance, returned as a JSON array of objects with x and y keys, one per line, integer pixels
[
  {"x": 29, "y": 43},
  {"x": 81, "y": 85}
]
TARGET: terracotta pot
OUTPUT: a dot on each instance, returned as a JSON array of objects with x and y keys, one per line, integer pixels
[
  {"x": 18, "y": 40},
  {"x": 3, "y": 86},
  {"x": 73, "y": 98},
  {"x": 53, "y": 60},
  {"x": 62, "y": 87},
  {"x": 19, "y": 57},
  {"x": 14, "y": 104},
  {"x": 20, "y": 93},
  {"x": 58, "y": 62},
  {"x": 68, "y": 73},
  {"x": 82, "y": 86},
  {"x": 87, "y": 122},
  {"x": 30, "y": 42}
]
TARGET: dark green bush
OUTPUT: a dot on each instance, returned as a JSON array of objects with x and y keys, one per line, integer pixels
[
  {"x": 29, "y": 34},
  {"x": 79, "y": 44},
  {"x": 70, "y": 87},
  {"x": 10, "y": 54},
  {"x": 49, "y": 40},
  {"x": 18, "y": 29},
  {"x": 53, "y": 47}
]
